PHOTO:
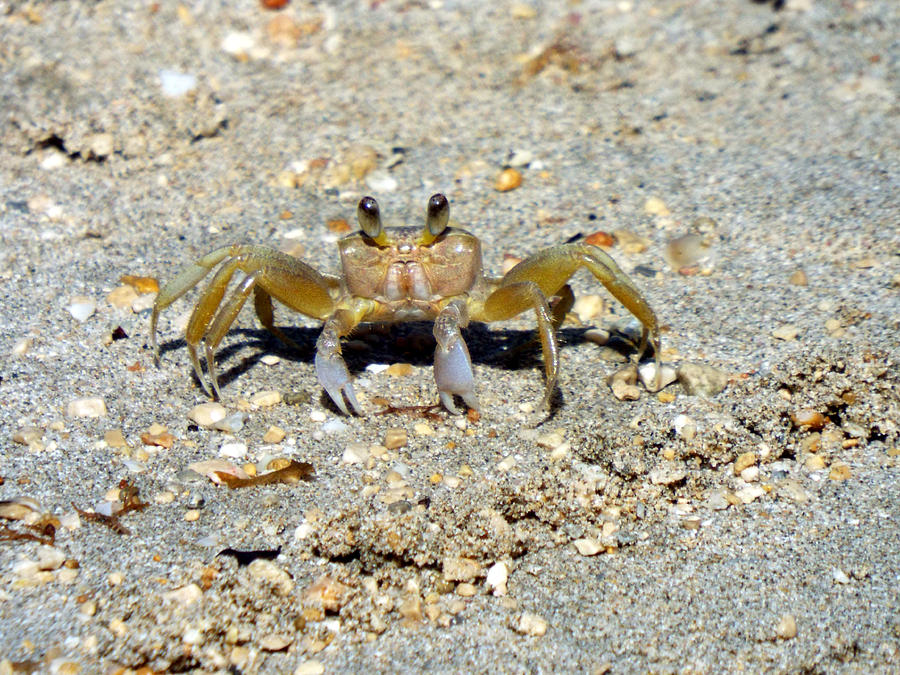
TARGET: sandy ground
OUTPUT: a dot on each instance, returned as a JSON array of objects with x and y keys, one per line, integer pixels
[{"x": 744, "y": 161}]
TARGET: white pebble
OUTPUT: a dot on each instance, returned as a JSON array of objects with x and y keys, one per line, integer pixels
[
  {"x": 376, "y": 368},
  {"x": 335, "y": 426},
  {"x": 207, "y": 414},
  {"x": 685, "y": 427},
  {"x": 50, "y": 558},
  {"x": 82, "y": 310},
  {"x": 356, "y": 453},
  {"x": 237, "y": 43},
  {"x": 497, "y": 577},
  {"x": 531, "y": 624},
  {"x": 86, "y": 407},
  {"x": 270, "y": 359},
  {"x": 311, "y": 667},
  {"x": 318, "y": 416},
  {"x": 381, "y": 181},
  {"x": 750, "y": 474},
  {"x": 587, "y": 547},
  {"x": 839, "y": 576},
  {"x": 266, "y": 399},
  {"x": 21, "y": 347},
  {"x": 232, "y": 423},
  {"x": 233, "y": 450},
  {"x": 647, "y": 374},
  {"x": 175, "y": 84}
]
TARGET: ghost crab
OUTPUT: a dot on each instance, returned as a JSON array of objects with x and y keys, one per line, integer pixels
[{"x": 395, "y": 274}]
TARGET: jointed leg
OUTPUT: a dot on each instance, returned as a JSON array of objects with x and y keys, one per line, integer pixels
[{"x": 513, "y": 298}]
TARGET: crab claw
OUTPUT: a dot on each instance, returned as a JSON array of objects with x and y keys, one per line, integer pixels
[
  {"x": 452, "y": 364},
  {"x": 335, "y": 380}
]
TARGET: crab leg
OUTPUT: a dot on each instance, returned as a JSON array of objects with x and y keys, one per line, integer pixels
[
  {"x": 514, "y": 297},
  {"x": 552, "y": 268},
  {"x": 331, "y": 370},
  {"x": 452, "y": 364}
]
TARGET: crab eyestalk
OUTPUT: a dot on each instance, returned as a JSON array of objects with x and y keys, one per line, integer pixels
[
  {"x": 437, "y": 215},
  {"x": 369, "y": 216}
]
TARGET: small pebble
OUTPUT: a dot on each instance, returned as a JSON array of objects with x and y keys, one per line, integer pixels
[
  {"x": 814, "y": 463},
  {"x": 311, "y": 667},
  {"x": 115, "y": 578},
  {"x": 191, "y": 515},
  {"x": 460, "y": 569},
  {"x": 381, "y": 181},
  {"x": 839, "y": 576},
  {"x": 647, "y": 375},
  {"x": 50, "y": 558},
  {"x": 531, "y": 624},
  {"x": 588, "y": 546},
  {"x": 395, "y": 438},
  {"x": 587, "y": 307},
  {"x": 497, "y": 577},
  {"x": 356, "y": 453},
  {"x": 810, "y": 419},
  {"x": 750, "y": 474},
  {"x": 231, "y": 424},
  {"x": 787, "y": 332},
  {"x": 86, "y": 407},
  {"x": 508, "y": 179},
  {"x": 750, "y": 493},
  {"x": 622, "y": 383},
  {"x": 233, "y": 450},
  {"x": 21, "y": 347},
  {"x": 27, "y": 435},
  {"x": 266, "y": 571},
  {"x": 601, "y": 239},
  {"x": 335, "y": 426},
  {"x": 399, "y": 370},
  {"x": 175, "y": 84},
  {"x": 701, "y": 380},
  {"x": 207, "y": 414},
  {"x": 685, "y": 427},
  {"x": 787, "y": 627},
  {"x": 276, "y": 642},
  {"x": 122, "y": 297},
  {"x": 798, "y": 278},
  {"x": 839, "y": 471},
  {"x": 184, "y": 596},
  {"x": 422, "y": 429},
  {"x": 668, "y": 475},
  {"x": 655, "y": 206},
  {"x": 274, "y": 435},
  {"x": 743, "y": 461},
  {"x": 266, "y": 399}
]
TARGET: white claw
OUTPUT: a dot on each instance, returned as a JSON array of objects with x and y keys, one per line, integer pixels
[
  {"x": 453, "y": 375},
  {"x": 335, "y": 380}
]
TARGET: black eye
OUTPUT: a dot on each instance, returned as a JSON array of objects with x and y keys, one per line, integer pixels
[
  {"x": 438, "y": 214},
  {"x": 369, "y": 216}
]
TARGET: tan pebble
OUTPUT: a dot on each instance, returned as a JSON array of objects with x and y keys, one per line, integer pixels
[
  {"x": 118, "y": 628},
  {"x": 86, "y": 407},
  {"x": 66, "y": 576},
  {"x": 665, "y": 397},
  {"x": 839, "y": 471},
  {"x": 669, "y": 454},
  {"x": 184, "y": 596},
  {"x": 787, "y": 332},
  {"x": 250, "y": 468},
  {"x": 27, "y": 435},
  {"x": 435, "y": 478},
  {"x": 466, "y": 590},
  {"x": 793, "y": 491},
  {"x": 115, "y": 578},
  {"x": 422, "y": 429},
  {"x": 275, "y": 643},
  {"x": 100, "y": 145},
  {"x": 587, "y": 546},
  {"x": 699, "y": 379},
  {"x": 509, "y": 261},
  {"x": 112, "y": 495},
  {"x": 278, "y": 463},
  {"x": 266, "y": 399},
  {"x": 269, "y": 572},
  {"x": 531, "y": 624},
  {"x": 156, "y": 429},
  {"x": 50, "y": 558},
  {"x": 192, "y": 636},
  {"x": 399, "y": 370},
  {"x": 66, "y": 668},
  {"x": 270, "y": 359},
  {"x": 630, "y": 242},
  {"x": 506, "y": 463},
  {"x": 750, "y": 494},
  {"x": 356, "y": 453},
  {"x": 798, "y": 278},
  {"x": 207, "y": 414},
  {"x": 411, "y": 608},
  {"x": 432, "y": 612},
  {"x": 668, "y": 475},
  {"x": 122, "y": 297},
  {"x": 311, "y": 667},
  {"x": 328, "y": 594},
  {"x": 743, "y": 461},
  {"x": 522, "y": 11},
  {"x": 115, "y": 438},
  {"x": 460, "y": 569},
  {"x": 456, "y": 606},
  {"x": 810, "y": 419},
  {"x": 465, "y": 471},
  {"x": 691, "y": 523},
  {"x": 787, "y": 627},
  {"x": 508, "y": 179},
  {"x": 550, "y": 440},
  {"x": 88, "y": 608},
  {"x": 685, "y": 427},
  {"x": 395, "y": 438},
  {"x": 647, "y": 373},
  {"x": 452, "y": 481},
  {"x": 655, "y": 206},
  {"x": 814, "y": 462},
  {"x": 191, "y": 515},
  {"x": 165, "y": 497},
  {"x": 588, "y": 306},
  {"x": 274, "y": 435},
  {"x": 624, "y": 391}
]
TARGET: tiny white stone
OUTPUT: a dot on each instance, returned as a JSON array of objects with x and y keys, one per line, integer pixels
[
  {"x": 237, "y": 43},
  {"x": 376, "y": 368},
  {"x": 184, "y": 596},
  {"x": 750, "y": 474},
  {"x": 839, "y": 576},
  {"x": 587, "y": 546},
  {"x": 270, "y": 359},
  {"x": 356, "y": 453},
  {"x": 685, "y": 427},
  {"x": 192, "y": 636},
  {"x": 86, "y": 407},
  {"x": 207, "y": 414},
  {"x": 647, "y": 374},
  {"x": 334, "y": 426},
  {"x": 175, "y": 84},
  {"x": 506, "y": 464},
  {"x": 233, "y": 450},
  {"x": 53, "y": 160},
  {"x": 82, "y": 310},
  {"x": 318, "y": 416},
  {"x": 50, "y": 558},
  {"x": 497, "y": 577},
  {"x": 381, "y": 181},
  {"x": 311, "y": 667}
]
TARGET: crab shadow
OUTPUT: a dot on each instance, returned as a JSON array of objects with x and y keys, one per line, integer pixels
[{"x": 502, "y": 348}]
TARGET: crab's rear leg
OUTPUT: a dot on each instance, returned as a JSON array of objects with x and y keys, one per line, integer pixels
[{"x": 552, "y": 268}]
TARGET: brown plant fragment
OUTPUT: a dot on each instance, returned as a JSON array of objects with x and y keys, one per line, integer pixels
[{"x": 292, "y": 473}]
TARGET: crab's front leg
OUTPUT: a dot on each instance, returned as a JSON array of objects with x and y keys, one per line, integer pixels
[
  {"x": 452, "y": 364},
  {"x": 331, "y": 370}
]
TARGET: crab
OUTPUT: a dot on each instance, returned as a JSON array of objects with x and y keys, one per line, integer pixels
[{"x": 397, "y": 274}]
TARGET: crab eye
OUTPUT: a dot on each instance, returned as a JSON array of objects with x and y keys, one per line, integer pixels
[
  {"x": 369, "y": 216},
  {"x": 437, "y": 215}
]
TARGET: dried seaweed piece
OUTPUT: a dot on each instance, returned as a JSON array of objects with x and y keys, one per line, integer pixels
[
  {"x": 130, "y": 497},
  {"x": 112, "y": 522},
  {"x": 44, "y": 537},
  {"x": 425, "y": 411},
  {"x": 246, "y": 557},
  {"x": 292, "y": 473}
]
